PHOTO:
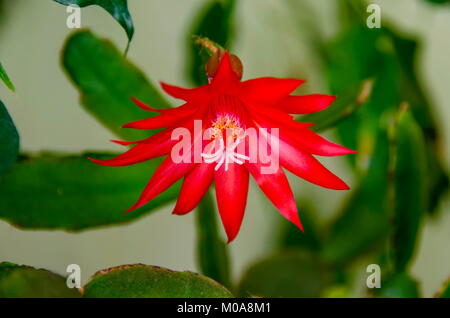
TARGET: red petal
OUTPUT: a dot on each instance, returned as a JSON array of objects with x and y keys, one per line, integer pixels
[
  {"x": 158, "y": 145},
  {"x": 194, "y": 187},
  {"x": 156, "y": 122},
  {"x": 275, "y": 118},
  {"x": 166, "y": 119},
  {"x": 194, "y": 95},
  {"x": 307, "y": 167},
  {"x": 144, "y": 106},
  {"x": 315, "y": 144},
  {"x": 165, "y": 176},
  {"x": 124, "y": 143},
  {"x": 299, "y": 133},
  {"x": 231, "y": 194},
  {"x": 269, "y": 90},
  {"x": 306, "y": 104},
  {"x": 276, "y": 188}
]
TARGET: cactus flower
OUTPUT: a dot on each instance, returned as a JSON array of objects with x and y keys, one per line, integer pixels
[{"x": 219, "y": 117}]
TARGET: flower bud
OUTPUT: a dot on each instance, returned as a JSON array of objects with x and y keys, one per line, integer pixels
[{"x": 213, "y": 64}]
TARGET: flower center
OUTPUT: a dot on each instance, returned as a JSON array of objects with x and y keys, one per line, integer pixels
[
  {"x": 227, "y": 131},
  {"x": 227, "y": 124}
]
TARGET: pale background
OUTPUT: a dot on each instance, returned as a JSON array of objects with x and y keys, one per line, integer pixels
[{"x": 48, "y": 116}]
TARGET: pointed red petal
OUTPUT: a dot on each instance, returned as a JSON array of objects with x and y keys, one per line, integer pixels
[
  {"x": 276, "y": 188},
  {"x": 269, "y": 90},
  {"x": 135, "y": 155},
  {"x": 231, "y": 194},
  {"x": 315, "y": 144},
  {"x": 298, "y": 133},
  {"x": 168, "y": 173},
  {"x": 306, "y": 104},
  {"x": 307, "y": 167},
  {"x": 144, "y": 106},
  {"x": 275, "y": 118},
  {"x": 158, "y": 145},
  {"x": 156, "y": 122},
  {"x": 168, "y": 118},
  {"x": 194, "y": 95},
  {"x": 225, "y": 77},
  {"x": 124, "y": 143},
  {"x": 165, "y": 176},
  {"x": 194, "y": 187}
]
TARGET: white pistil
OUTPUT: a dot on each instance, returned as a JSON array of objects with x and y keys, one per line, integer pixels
[{"x": 225, "y": 155}]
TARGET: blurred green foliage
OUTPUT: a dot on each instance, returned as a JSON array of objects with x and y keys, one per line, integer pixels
[
  {"x": 5, "y": 78},
  {"x": 9, "y": 140},
  {"x": 390, "y": 59},
  {"x": 345, "y": 105},
  {"x": 381, "y": 217},
  {"x": 439, "y": 1},
  {"x": 410, "y": 194},
  {"x": 290, "y": 238},
  {"x": 363, "y": 220},
  {"x": 445, "y": 290},
  {"x": 400, "y": 285},
  {"x": 382, "y": 111},
  {"x": 291, "y": 273}
]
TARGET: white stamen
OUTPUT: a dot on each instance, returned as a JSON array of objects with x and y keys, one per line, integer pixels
[{"x": 225, "y": 155}]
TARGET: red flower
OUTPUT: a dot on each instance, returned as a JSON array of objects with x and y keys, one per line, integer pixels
[{"x": 228, "y": 109}]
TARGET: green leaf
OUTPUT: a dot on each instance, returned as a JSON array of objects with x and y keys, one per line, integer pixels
[
  {"x": 73, "y": 193},
  {"x": 439, "y": 1},
  {"x": 401, "y": 285},
  {"x": 410, "y": 186},
  {"x": 9, "y": 140},
  {"x": 107, "y": 81},
  {"x": 215, "y": 22},
  {"x": 352, "y": 13},
  {"x": 423, "y": 111},
  {"x": 212, "y": 251},
  {"x": 117, "y": 8},
  {"x": 444, "y": 292},
  {"x": 4, "y": 77},
  {"x": 344, "y": 106},
  {"x": 142, "y": 281},
  {"x": 288, "y": 274},
  {"x": 18, "y": 281},
  {"x": 364, "y": 219}
]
